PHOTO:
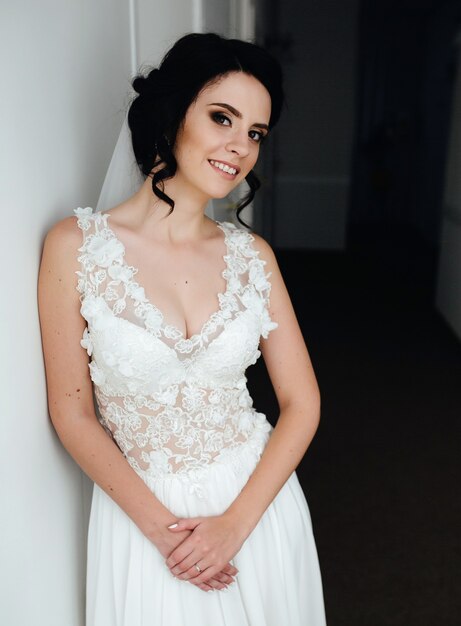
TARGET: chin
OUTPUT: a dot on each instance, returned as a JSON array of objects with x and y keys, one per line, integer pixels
[
  {"x": 219, "y": 195},
  {"x": 223, "y": 191}
]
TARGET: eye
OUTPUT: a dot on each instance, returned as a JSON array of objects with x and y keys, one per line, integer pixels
[
  {"x": 260, "y": 137},
  {"x": 223, "y": 120},
  {"x": 220, "y": 118}
]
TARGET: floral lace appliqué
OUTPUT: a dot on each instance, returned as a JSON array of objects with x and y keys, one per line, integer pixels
[{"x": 174, "y": 405}]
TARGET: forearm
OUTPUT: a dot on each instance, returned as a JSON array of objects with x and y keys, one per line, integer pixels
[
  {"x": 101, "y": 459},
  {"x": 286, "y": 447}
]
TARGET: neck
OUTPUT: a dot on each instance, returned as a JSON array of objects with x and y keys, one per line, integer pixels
[{"x": 187, "y": 222}]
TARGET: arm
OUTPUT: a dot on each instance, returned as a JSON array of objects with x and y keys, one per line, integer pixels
[
  {"x": 298, "y": 396},
  {"x": 292, "y": 376},
  {"x": 70, "y": 394}
]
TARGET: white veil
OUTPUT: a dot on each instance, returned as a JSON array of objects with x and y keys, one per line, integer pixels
[{"x": 123, "y": 177}]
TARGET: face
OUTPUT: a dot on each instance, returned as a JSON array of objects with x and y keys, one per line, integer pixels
[{"x": 219, "y": 141}]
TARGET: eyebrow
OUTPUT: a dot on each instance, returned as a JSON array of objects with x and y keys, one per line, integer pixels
[{"x": 236, "y": 113}]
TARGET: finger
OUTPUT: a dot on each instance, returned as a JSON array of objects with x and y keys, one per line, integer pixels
[
  {"x": 230, "y": 569},
  {"x": 177, "y": 556},
  {"x": 207, "y": 574},
  {"x": 194, "y": 572},
  {"x": 204, "y": 586},
  {"x": 211, "y": 585},
  {"x": 224, "y": 578},
  {"x": 197, "y": 569},
  {"x": 187, "y": 567},
  {"x": 189, "y": 563},
  {"x": 187, "y": 523},
  {"x": 216, "y": 584}
]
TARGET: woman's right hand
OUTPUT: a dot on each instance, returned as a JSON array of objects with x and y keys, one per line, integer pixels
[{"x": 168, "y": 542}]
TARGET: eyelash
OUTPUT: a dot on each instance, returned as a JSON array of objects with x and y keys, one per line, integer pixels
[{"x": 216, "y": 116}]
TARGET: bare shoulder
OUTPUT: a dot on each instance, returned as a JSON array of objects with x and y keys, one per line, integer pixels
[
  {"x": 63, "y": 235},
  {"x": 62, "y": 241},
  {"x": 60, "y": 254},
  {"x": 266, "y": 252},
  {"x": 261, "y": 244}
]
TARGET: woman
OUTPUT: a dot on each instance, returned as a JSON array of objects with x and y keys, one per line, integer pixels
[{"x": 192, "y": 485}]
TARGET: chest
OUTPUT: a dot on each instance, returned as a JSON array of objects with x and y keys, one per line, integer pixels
[
  {"x": 131, "y": 331},
  {"x": 183, "y": 282}
]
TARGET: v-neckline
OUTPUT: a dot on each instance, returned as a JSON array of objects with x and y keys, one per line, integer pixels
[{"x": 221, "y": 296}]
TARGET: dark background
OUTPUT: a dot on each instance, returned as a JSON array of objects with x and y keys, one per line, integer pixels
[{"x": 382, "y": 474}]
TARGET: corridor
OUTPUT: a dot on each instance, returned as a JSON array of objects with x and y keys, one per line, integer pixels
[{"x": 382, "y": 474}]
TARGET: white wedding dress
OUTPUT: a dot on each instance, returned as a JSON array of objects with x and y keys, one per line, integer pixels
[{"x": 179, "y": 410}]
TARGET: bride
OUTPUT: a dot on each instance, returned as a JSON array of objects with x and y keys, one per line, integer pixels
[{"x": 158, "y": 310}]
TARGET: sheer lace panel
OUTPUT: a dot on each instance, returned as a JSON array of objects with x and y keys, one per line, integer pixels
[{"x": 173, "y": 405}]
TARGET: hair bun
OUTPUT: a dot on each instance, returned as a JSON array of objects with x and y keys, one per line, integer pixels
[
  {"x": 139, "y": 84},
  {"x": 143, "y": 84}
]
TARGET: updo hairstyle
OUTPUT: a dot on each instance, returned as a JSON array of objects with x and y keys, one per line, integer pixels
[{"x": 194, "y": 62}]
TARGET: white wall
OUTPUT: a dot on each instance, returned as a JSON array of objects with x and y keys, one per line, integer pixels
[
  {"x": 159, "y": 24},
  {"x": 315, "y": 133},
  {"x": 66, "y": 70},
  {"x": 448, "y": 298}
]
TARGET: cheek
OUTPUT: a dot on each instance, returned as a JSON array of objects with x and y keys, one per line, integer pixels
[
  {"x": 186, "y": 143},
  {"x": 185, "y": 155}
]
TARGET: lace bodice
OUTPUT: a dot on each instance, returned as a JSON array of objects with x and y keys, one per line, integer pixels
[{"x": 172, "y": 404}]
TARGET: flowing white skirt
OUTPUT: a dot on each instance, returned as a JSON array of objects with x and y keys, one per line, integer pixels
[{"x": 278, "y": 584}]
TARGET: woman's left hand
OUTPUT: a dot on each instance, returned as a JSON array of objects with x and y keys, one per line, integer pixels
[{"x": 214, "y": 541}]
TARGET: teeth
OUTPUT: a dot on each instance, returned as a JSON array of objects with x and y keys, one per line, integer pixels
[{"x": 223, "y": 167}]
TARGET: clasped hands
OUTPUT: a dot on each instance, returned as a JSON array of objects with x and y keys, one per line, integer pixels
[{"x": 212, "y": 542}]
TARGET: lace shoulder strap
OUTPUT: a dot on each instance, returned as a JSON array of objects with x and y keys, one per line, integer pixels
[
  {"x": 253, "y": 277},
  {"x": 97, "y": 251},
  {"x": 86, "y": 218}
]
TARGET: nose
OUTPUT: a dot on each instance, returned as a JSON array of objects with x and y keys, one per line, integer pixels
[{"x": 238, "y": 144}]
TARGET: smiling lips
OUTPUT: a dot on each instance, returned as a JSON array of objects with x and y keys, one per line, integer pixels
[{"x": 227, "y": 169}]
